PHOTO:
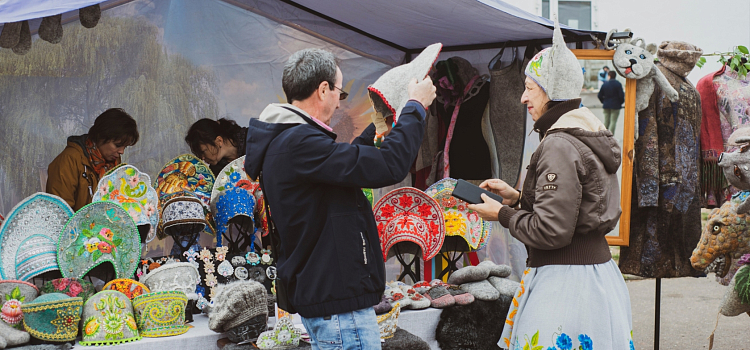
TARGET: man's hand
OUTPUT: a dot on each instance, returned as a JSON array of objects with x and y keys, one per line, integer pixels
[
  {"x": 422, "y": 91},
  {"x": 499, "y": 187},
  {"x": 487, "y": 210}
]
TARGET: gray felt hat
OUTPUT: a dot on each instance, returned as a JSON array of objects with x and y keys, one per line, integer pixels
[
  {"x": 390, "y": 93},
  {"x": 556, "y": 70},
  {"x": 176, "y": 276},
  {"x": 236, "y": 303}
]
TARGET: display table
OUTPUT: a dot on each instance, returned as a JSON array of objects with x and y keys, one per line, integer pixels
[
  {"x": 421, "y": 323},
  {"x": 198, "y": 337}
]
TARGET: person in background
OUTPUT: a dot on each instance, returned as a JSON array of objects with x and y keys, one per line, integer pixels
[
  {"x": 601, "y": 76},
  {"x": 216, "y": 142},
  {"x": 572, "y": 294},
  {"x": 74, "y": 174},
  {"x": 612, "y": 96},
  {"x": 330, "y": 265}
]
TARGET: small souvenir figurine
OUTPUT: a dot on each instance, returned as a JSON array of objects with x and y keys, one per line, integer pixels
[
  {"x": 252, "y": 258},
  {"x": 266, "y": 259}
]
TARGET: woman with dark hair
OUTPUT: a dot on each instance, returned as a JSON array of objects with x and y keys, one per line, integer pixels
[
  {"x": 75, "y": 172},
  {"x": 217, "y": 142}
]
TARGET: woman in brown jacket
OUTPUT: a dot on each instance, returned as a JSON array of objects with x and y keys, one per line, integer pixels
[
  {"x": 572, "y": 295},
  {"x": 74, "y": 174}
]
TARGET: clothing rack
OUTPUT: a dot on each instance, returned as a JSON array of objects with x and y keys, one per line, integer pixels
[{"x": 657, "y": 313}]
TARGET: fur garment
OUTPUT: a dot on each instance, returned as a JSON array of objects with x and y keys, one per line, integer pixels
[{"x": 475, "y": 326}]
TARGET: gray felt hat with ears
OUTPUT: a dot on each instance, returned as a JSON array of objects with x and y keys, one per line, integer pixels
[
  {"x": 390, "y": 92},
  {"x": 556, "y": 70}
]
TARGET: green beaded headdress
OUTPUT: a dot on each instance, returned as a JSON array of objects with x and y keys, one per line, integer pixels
[
  {"x": 99, "y": 232},
  {"x": 161, "y": 314}
]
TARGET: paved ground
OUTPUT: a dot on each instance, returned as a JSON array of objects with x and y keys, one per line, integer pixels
[{"x": 688, "y": 314}]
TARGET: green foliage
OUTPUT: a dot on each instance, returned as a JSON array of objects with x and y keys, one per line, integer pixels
[
  {"x": 737, "y": 60},
  {"x": 95, "y": 255},
  {"x": 57, "y": 90},
  {"x": 742, "y": 284}
]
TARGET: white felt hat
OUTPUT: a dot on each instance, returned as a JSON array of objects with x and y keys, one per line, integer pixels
[{"x": 556, "y": 70}]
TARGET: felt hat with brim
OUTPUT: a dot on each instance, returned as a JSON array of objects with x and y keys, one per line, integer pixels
[
  {"x": 29, "y": 235},
  {"x": 556, "y": 69},
  {"x": 53, "y": 317},
  {"x": 409, "y": 215},
  {"x": 389, "y": 93},
  {"x": 108, "y": 320},
  {"x": 99, "y": 232},
  {"x": 131, "y": 189}
]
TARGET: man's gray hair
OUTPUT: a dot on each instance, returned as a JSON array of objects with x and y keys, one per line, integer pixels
[{"x": 305, "y": 70}]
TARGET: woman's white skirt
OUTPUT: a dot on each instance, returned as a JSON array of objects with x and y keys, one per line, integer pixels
[{"x": 565, "y": 307}]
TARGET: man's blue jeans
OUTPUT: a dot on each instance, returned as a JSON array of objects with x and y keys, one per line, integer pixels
[{"x": 356, "y": 330}]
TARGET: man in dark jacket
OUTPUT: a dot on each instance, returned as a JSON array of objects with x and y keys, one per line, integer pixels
[
  {"x": 612, "y": 97},
  {"x": 330, "y": 265}
]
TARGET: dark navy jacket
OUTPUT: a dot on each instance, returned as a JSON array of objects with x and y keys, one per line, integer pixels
[
  {"x": 611, "y": 95},
  {"x": 330, "y": 260}
]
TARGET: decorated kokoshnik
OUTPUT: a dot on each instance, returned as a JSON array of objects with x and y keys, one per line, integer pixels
[
  {"x": 161, "y": 314},
  {"x": 131, "y": 189},
  {"x": 129, "y": 287},
  {"x": 234, "y": 196},
  {"x": 29, "y": 234},
  {"x": 53, "y": 317},
  {"x": 108, "y": 320},
  {"x": 459, "y": 220},
  {"x": 99, "y": 232}
]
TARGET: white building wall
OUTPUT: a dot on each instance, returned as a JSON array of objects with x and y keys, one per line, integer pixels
[{"x": 714, "y": 26}]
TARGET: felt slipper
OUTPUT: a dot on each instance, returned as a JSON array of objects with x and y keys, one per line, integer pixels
[
  {"x": 482, "y": 290},
  {"x": 383, "y": 307},
  {"x": 13, "y": 336},
  {"x": 437, "y": 282},
  {"x": 440, "y": 297},
  {"x": 90, "y": 15},
  {"x": 24, "y": 40},
  {"x": 496, "y": 270},
  {"x": 11, "y": 35},
  {"x": 396, "y": 296},
  {"x": 51, "y": 29},
  {"x": 469, "y": 274},
  {"x": 462, "y": 297},
  {"x": 422, "y": 287},
  {"x": 504, "y": 286},
  {"x": 418, "y": 301}
]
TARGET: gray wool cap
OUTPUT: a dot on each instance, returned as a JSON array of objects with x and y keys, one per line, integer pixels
[
  {"x": 556, "y": 70},
  {"x": 236, "y": 303}
]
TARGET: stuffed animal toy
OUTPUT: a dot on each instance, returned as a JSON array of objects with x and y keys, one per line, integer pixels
[
  {"x": 725, "y": 234},
  {"x": 634, "y": 59}
]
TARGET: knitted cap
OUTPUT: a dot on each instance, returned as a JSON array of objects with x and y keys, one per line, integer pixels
[
  {"x": 556, "y": 70},
  {"x": 236, "y": 303},
  {"x": 390, "y": 92}
]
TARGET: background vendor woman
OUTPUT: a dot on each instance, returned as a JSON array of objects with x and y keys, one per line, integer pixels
[
  {"x": 216, "y": 142},
  {"x": 75, "y": 173},
  {"x": 572, "y": 295}
]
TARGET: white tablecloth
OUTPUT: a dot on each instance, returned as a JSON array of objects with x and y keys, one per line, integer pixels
[
  {"x": 198, "y": 337},
  {"x": 421, "y": 323}
]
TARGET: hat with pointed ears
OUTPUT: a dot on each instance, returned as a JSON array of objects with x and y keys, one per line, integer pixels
[{"x": 556, "y": 70}]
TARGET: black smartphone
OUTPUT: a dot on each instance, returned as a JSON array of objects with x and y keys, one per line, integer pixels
[{"x": 472, "y": 194}]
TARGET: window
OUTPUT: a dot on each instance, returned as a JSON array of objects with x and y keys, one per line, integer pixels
[
  {"x": 545, "y": 8},
  {"x": 576, "y": 14}
]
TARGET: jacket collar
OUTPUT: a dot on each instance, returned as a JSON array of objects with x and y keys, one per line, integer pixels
[{"x": 551, "y": 116}]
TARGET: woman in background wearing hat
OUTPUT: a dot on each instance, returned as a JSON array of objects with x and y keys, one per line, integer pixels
[
  {"x": 572, "y": 294},
  {"x": 216, "y": 142}
]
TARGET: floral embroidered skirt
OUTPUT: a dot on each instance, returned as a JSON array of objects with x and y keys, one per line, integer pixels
[{"x": 566, "y": 307}]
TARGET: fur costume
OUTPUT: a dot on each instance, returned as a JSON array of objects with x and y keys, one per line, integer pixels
[
  {"x": 474, "y": 326},
  {"x": 636, "y": 61}
]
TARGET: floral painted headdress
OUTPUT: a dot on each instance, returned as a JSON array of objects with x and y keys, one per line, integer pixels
[
  {"x": 132, "y": 190},
  {"x": 161, "y": 314},
  {"x": 459, "y": 220},
  {"x": 234, "y": 195},
  {"x": 108, "y": 320},
  {"x": 99, "y": 232},
  {"x": 409, "y": 215}
]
